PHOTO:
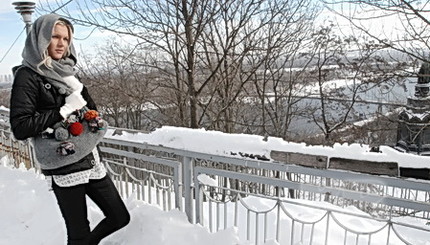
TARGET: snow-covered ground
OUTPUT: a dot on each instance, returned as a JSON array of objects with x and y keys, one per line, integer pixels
[{"x": 29, "y": 215}]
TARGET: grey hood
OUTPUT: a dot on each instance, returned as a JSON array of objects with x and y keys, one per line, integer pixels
[{"x": 37, "y": 43}]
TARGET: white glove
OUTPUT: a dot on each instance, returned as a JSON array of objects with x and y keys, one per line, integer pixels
[
  {"x": 74, "y": 102},
  {"x": 73, "y": 83}
]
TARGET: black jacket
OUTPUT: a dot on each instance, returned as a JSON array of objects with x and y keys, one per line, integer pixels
[{"x": 35, "y": 106}]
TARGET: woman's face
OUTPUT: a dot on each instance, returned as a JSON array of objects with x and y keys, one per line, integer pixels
[{"x": 59, "y": 42}]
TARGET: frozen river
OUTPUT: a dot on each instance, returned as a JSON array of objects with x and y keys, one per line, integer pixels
[{"x": 377, "y": 100}]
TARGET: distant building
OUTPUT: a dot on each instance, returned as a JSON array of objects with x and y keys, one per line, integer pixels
[
  {"x": 6, "y": 81},
  {"x": 6, "y": 78}
]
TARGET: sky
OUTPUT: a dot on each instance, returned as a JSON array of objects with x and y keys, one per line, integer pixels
[
  {"x": 29, "y": 208},
  {"x": 12, "y": 35},
  {"x": 12, "y": 27}
]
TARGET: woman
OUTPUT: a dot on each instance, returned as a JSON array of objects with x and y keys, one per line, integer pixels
[{"x": 46, "y": 92}]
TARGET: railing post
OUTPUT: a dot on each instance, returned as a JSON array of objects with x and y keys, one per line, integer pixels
[
  {"x": 177, "y": 187},
  {"x": 2, "y": 143},
  {"x": 31, "y": 155},
  {"x": 11, "y": 154},
  {"x": 199, "y": 198},
  {"x": 187, "y": 180}
]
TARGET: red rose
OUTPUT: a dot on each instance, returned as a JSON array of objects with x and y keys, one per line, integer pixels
[{"x": 76, "y": 128}]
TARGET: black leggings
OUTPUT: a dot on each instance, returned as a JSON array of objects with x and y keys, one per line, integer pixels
[{"x": 73, "y": 207}]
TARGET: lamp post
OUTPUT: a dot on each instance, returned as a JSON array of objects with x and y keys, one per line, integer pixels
[{"x": 25, "y": 8}]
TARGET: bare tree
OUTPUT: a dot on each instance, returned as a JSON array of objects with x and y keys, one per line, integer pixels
[
  {"x": 122, "y": 88},
  {"x": 281, "y": 79},
  {"x": 253, "y": 47},
  {"x": 397, "y": 24},
  {"x": 200, "y": 48}
]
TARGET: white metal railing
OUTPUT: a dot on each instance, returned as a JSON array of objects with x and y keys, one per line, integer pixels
[
  {"x": 173, "y": 178},
  {"x": 272, "y": 220},
  {"x": 224, "y": 202},
  {"x": 18, "y": 151}
]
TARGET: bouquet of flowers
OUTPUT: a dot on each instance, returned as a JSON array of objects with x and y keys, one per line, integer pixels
[{"x": 70, "y": 140}]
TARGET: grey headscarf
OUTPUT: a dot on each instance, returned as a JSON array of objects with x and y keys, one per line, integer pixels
[{"x": 37, "y": 43}]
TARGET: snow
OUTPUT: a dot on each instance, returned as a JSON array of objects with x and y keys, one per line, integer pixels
[
  {"x": 420, "y": 116},
  {"x": 328, "y": 86},
  {"x": 218, "y": 143},
  {"x": 2, "y": 108},
  {"x": 206, "y": 180},
  {"x": 29, "y": 213}
]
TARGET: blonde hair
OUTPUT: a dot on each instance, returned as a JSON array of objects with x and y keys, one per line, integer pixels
[{"x": 46, "y": 59}]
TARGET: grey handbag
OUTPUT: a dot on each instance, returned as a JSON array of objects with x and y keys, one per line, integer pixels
[{"x": 45, "y": 148}]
